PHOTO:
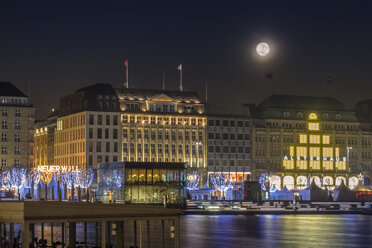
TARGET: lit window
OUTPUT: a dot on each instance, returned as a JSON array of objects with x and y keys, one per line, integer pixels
[
  {"x": 327, "y": 152},
  {"x": 340, "y": 165},
  {"x": 314, "y": 126},
  {"x": 291, "y": 151},
  {"x": 303, "y": 138},
  {"x": 314, "y": 152},
  {"x": 301, "y": 151},
  {"x": 328, "y": 165},
  {"x": 288, "y": 164},
  {"x": 326, "y": 139},
  {"x": 315, "y": 165},
  {"x": 313, "y": 116},
  {"x": 337, "y": 152},
  {"x": 301, "y": 164},
  {"x": 314, "y": 139}
]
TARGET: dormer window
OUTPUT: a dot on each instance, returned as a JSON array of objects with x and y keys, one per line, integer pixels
[
  {"x": 300, "y": 115},
  {"x": 286, "y": 114},
  {"x": 338, "y": 117},
  {"x": 325, "y": 116}
]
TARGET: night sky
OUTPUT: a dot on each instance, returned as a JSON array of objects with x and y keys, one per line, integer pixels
[{"x": 60, "y": 46}]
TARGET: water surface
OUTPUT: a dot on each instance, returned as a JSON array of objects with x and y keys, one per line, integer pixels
[{"x": 287, "y": 231}]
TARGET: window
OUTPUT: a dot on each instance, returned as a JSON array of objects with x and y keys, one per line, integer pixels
[
  {"x": 91, "y": 133},
  {"x": 218, "y": 123},
  {"x": 139, "y": 148},
  {"x": 325, "y": 139},
  {"x": 17, "y": 125},
  {"x": 115, "y": 120},
  {"x": 91, "y": 119},
  {"x": 225, "y": 123},
  {"x": 99, "y": 119},
  {"x": 115, "y": 134},
  {"x": 3, "y": 163},
  {"x": 232, "y": 123},
  {"x": 301, "y": 151},
  {"x": 99, "y": 133},
  {"x": 18, "y": 113},
  {"x": 338, "y": 117},
  {"x": 285, "y": 114},
  {"x": 3, "y": 150},
  {"x": 99, "y": 147},
  {"x": 327, "y": 152},
  {"x": 314, "y": 126},
  {"x": 210, "y": 122},
  {"x": 107, "y": 158},
  {"x": 106, "y": 133},
  {"x": 17, "y": 137},
  {"x": 17, "y": 150},
  {"x": 107, "y": 120},
  {"x": 314, "y": 139},
  {"x": 16, "y": 162},
  {"x": 3, "y": 137},
  {"x": 115, "y": 146},
  {"x": 107, "y": 146},
  {"x": 4, "y": 124},
  {"x": 303, "y": 138},
  {"x": 90, "y": 148},
  {"x": 5, "y": 112}
]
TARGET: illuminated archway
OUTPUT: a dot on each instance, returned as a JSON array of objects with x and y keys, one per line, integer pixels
[
  {"x": 327, "y": 181},
  {"x": 288, "y": 181},
  {"x": 275, "y": 181},
  {"x": 301, "y": 181},
  {"x": 339, "y": 180},
  {"x": 353, "y": 182},
  {"x": 316, "y": 179}
]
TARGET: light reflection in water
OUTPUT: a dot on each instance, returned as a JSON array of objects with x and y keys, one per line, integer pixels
[{"x": 276, "y": 231}]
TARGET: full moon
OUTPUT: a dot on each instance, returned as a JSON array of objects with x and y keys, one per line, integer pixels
[{"x": 263, "y": 49}]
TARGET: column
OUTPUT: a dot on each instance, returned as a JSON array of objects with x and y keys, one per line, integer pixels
[
  {"x": 120, "y": 234},
  {"x": 103, "y": 233},
  {"x": 163, "y": 233},
  {"x": 25, "y": 234},
  {"x": 177, "y": 233},
  {"x": 11, "y": 234},
  {"x": 72, "y": 235},
  {"x": 148, "y": 233}
]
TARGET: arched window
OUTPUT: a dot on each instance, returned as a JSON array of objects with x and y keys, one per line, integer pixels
[
  {"x": 286, "y": 115},
  {"x": 338, "y": 117},
  {"x": 325, "y": 116},
  {"x": 300, "y": 115}
]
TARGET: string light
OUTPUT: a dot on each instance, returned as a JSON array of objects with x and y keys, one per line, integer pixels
[
  {"x": 113, "y": 180},
  {"x": 193, "y": 180},
  {"x": 220, "y": 182},
  {"x": 85, "y": 178}
]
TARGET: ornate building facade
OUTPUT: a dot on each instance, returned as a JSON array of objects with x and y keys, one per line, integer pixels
[
  {"x": 297, "y": 138},
  {"x": 163, "y": 126},
  {"x": 17, "y": 119}
]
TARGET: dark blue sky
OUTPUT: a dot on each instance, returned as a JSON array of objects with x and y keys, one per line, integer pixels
[{"x": 63, "y": 45}]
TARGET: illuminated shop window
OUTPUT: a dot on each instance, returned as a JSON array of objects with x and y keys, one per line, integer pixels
[
  {"x": 301, "y": 164},
  {"x": 328, "y": 165},
  {"x": 314, "y": 126},
  {"x": 314, "y": 152},
  {"x": 314, "y": 165},
  {"x": 303, "y": 138},
  {"x": 291, "y": 151},
  {"x": 327, "y": 152},
  {"x": 325, "y": 139},
  {"x": 301, "y": 151},
  {"x": 314, "y": 139}
]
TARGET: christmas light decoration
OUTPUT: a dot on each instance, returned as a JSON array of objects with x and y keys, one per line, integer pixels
[
  {"x": 85, "y": 178},
  {"x": 113, "y": 180},
  {"x": 220, "y": 182},
  {"x": 193, "y": 180},
  {"x": 16, "y": 178}
]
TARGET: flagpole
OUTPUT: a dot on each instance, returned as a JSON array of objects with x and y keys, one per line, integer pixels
[
  {"x": 180, "y": 68},
  {"x": 126, "y": 85}
]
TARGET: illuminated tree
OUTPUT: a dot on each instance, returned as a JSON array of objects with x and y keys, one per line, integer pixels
[
  {"x": 84, "y": 178},
  {"x": 193, "y": 180},
  {"x": 16, "y": 178},
  {"x": 114, "y": 180}
]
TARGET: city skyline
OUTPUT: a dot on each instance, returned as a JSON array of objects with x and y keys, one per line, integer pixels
[{"x": 58, "y": 50}]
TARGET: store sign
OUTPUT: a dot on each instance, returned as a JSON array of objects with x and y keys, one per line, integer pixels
[
  {"x": 55, "y": 168},
  {"x": 298, "y": 158}
]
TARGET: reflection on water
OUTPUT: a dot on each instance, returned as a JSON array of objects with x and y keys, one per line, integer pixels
[{"x": 276, "y": 231}]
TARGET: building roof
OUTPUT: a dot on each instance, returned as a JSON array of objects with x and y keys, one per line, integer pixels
[
  {"x": 8, "y": 89},
  {"x": 302, "y": 103},
  {"x": 227, "y": 111},
  {"x": 147, "y": 94},
  {"x": 98, "y": 88}
]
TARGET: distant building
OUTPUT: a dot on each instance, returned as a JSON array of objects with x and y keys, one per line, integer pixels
[
  {"x": 229, "y": 141},
  {"x": 88, "y": 127},
  {"x": 44, "y": 140},
  {"x": 299, "y": 138},
  {"x": 17, "y": 126},
  {"x": 163, "y": 126}
]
